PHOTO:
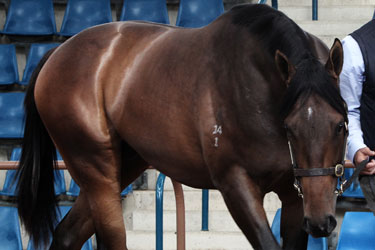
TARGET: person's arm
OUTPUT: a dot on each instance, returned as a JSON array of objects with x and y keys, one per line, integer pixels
[{"x": 351, "y": 82}]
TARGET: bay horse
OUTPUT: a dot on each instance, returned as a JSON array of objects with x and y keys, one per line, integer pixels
[{"x": 212, "y": 107}]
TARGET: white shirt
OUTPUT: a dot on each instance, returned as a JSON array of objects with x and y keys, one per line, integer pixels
[{"x": 351, "y": 82}]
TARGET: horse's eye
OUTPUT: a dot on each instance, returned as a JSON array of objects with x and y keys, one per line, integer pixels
[
  {"x": 340, "y": 127},
  {"x": 289, "y": 132}
]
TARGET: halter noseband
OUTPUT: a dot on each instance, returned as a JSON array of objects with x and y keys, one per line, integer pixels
[{"x": 337, "y": 170}]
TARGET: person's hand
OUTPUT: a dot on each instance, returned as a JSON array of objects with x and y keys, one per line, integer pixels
[{"x": 361, "y": 155}]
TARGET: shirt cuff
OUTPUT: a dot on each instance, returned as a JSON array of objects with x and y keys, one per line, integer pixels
[{"x": 353, "y": 147}]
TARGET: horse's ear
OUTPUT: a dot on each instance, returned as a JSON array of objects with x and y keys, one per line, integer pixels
[
  {"x": 335, "y": 59},
  {"x": 286, "y": 69}
]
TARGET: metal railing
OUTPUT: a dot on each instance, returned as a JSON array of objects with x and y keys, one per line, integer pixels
[
  {"x": 13, "y": 165},
  {"x": 314, "y": 7},
  {"x": 205, "y": 198},
  {"x": 159, "y": 211},
  {"x": 180, "y": 212}
]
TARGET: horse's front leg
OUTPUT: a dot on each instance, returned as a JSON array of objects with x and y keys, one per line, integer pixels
[
  {"x": 244, "y": 200},
  {"x": 294, "y": 237}
]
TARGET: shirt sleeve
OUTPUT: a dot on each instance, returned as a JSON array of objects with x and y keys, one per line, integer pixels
[{"x": 351, "y": 83}]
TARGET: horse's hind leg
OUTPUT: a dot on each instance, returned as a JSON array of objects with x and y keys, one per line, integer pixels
[
  {"x": 102, "y": 189},
  {"x": 99, "y": 179},
  {"x": 78, "y": 225}
]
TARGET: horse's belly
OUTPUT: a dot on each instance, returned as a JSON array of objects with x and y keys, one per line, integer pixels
[{"x": 186, "y": 168}]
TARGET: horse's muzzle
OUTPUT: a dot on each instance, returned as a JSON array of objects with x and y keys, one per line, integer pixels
[{"x": 320, "y": 229}]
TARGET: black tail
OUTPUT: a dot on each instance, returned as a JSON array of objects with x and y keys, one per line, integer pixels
[{"x": 36, "y": 195}]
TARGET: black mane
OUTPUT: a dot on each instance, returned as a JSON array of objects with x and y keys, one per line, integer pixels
[
  {"x": 275, "y": 31},
  {"x": 312, "y": 78}
]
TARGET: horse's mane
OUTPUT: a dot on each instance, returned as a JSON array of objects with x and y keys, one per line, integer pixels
[
  {"x": 275, "y": 31},
  {"x": 312, "y": 78}
]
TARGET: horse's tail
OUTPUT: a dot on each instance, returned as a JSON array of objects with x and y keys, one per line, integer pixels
[{"x": 36, "y": 195}]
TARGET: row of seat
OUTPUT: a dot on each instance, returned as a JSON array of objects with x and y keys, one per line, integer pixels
[
  {"x": 357, "y": 232},
  {"x": 81, "y": 14},
  {"x": 36, "y": 17},
  {"x": 9, "y": 188}
]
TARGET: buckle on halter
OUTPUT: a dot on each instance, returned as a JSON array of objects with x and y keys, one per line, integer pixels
[{"x": 339, "y": 170}]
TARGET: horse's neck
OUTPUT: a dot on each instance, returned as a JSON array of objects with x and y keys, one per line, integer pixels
[{"x": 251, "y": 85}]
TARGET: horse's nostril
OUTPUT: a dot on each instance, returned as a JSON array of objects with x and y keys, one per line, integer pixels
[
  {"x": 331, "y": 224},
  {"x": 306, "y": 225},
  {"x": 319, "y": 229}
]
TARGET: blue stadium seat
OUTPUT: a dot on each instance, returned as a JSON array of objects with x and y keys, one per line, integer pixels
[
  {"x": 8, "y": 64},
  {"x": 357, "y": 231},
  {"x": 10, "y": 233},
  {"x": 145, "y": 10},
  {"x": 127, "y": 190},
  {"x": 198, "y": 13},
  {"x": 63, "y": 211},
  {"x": 9, "y": 188},
  {"x": 37, "y": 51},
  {"x": 11, "y": 115},
  {"x": 74, "y": 189},
  {"x": 30, "y": 17},
  {"x": 313, "y": 243},
  {"x": 82, "y": 14}
]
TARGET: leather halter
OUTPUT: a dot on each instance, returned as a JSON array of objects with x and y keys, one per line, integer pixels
[{"x": 337, "y": 170}]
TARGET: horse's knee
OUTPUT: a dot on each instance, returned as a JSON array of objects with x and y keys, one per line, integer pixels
[
  {"x": 63, "y": 240},
  {"x": 73, "y": 230}
]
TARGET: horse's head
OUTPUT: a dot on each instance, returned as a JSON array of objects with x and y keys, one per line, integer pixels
[{"x": 316, "y": 125}]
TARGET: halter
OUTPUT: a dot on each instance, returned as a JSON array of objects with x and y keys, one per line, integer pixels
[{"x": 337, "y": 170}]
